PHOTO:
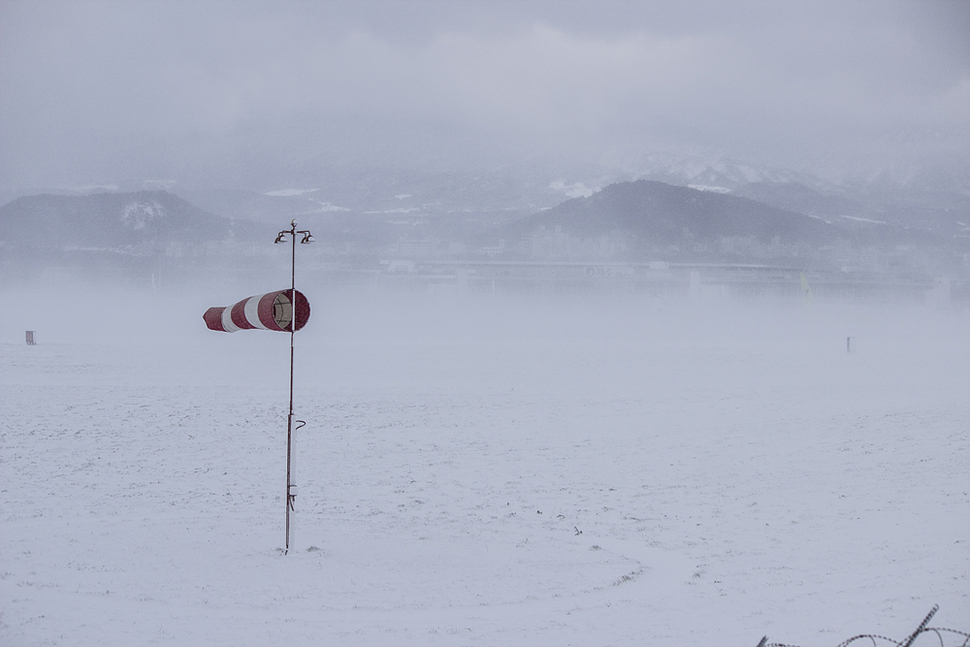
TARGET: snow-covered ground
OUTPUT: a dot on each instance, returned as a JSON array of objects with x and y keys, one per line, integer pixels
[{"x": 483, "y": 471}]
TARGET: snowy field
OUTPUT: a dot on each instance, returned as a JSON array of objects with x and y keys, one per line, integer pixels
[{"x": 483, "y": 471}]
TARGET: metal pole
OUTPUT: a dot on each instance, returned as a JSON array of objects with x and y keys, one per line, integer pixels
[
  {"x": 290, "y": 496},
  {"x": 289, "y": 454},
  {"x": 922, "y": 626},
  {"x": 289, "y": 419}
]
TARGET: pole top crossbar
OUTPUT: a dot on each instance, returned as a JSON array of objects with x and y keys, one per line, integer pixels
[{"x": 293, "y": 231}]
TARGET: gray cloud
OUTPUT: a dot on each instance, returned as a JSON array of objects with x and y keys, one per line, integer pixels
[{"x": 94, "y": 91}]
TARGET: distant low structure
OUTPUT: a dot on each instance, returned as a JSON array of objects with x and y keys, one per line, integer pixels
[{"x": 703, "y": 281}]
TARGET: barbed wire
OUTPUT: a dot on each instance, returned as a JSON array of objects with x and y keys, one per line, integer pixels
[{"x": 908, "y": 641}]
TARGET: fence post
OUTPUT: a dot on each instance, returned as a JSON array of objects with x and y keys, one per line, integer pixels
[{"x": 921, "y": 627}]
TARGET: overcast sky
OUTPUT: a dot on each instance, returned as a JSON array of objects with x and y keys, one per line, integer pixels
[{"x": 101, "y": 92}]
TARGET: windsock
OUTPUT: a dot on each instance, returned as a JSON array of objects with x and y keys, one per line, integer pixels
[{"x": 270, "y": 311}]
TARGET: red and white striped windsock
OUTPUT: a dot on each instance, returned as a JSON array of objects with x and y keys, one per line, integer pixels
[{"x": 270, "y": 311}]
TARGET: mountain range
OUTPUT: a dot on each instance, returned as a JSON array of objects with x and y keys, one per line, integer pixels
[
  {"x": 133, "y": 221},
  {"x": 652, "y": 213},
  {"x": 647, "y": 216},
  {"x": 116, "y": 235}
]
